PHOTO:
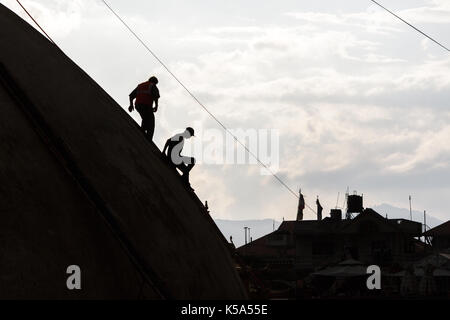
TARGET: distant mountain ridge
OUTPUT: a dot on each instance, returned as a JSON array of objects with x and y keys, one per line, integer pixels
[
  {"x": 235, "y": 228},
  {"x": 403, "y": 213},
  {"x": 259, "y": 228}
]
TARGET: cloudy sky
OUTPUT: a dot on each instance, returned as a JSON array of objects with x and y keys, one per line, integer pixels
[{"x": 358, "y": 98}]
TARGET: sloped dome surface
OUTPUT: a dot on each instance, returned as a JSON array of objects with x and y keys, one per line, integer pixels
[{"x": 80, "y": 185}]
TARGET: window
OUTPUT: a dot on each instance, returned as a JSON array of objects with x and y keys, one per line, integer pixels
[
  {"x": 380, "y": 251},
  {"x": 409, "y": 246},
  {"x": 322, "y": 248},
  {"x": 368, "y": 227}
]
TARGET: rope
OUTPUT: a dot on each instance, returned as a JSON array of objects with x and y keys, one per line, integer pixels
[
  {"x": 409, "y": 24},
  {"x": 40, "y": 28},
  {"x": 64, "y": 156},
  {"x": 202, "y": 105}
]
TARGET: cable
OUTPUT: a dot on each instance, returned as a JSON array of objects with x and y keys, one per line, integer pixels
[
  {"x": 409, "y": 24},
  {"x": 57, "y": 146},
  {"x": 214, "y": 117},
  {"x": 60, "y": 150},
  {"x": 202, "y": 105},
  {"x": 185, "y": 88},
  {"x": 48, "y": 37}
]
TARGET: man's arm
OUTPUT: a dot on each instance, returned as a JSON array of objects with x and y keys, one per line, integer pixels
[
  {"x": 132, "y": 97},
  {"x": 156, "y": 106},
  {"x": 155, "y": 94}
]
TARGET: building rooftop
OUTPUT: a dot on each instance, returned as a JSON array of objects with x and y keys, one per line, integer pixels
[
  {"x": 440, "y": 230},
  {"x": 328, "y": 225}
]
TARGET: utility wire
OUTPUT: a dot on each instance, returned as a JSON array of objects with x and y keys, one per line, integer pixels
[
  {"x": 48, "y": 37},
  {"x": 409, "y": 24},
  {"x": 201, "y": 104},
  {"x": 184, "y": 87},
  {"x": 59, "y": 148},
  {"x": 214, "y": 117}
]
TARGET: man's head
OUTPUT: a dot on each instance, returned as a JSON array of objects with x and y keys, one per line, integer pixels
[
  {"x": 189, "y": 132},
  {"x": 153, "y": 80}
]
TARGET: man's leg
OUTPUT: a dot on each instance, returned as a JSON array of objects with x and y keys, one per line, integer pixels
[
  {"x": 187, "y": 165},
  {"x": 143, "y": 126},
  {"x": 141, "y": 110},
  {"x": 182, "y": 168},
  {"x": 190, "y": 164},
  {"x": 185, "y": 170},
  {"x": 150, "y": 125}
]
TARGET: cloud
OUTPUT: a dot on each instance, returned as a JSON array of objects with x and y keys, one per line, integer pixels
[
  {"x": 215, "y": 191},
  {"x": 58, "y": 18},
  {"x": 439, "y": 13},
  {"x": 352, "y": 126},
  {"x": 358, "y": 98},
  {"x": 376, "y": 19},
  {"x": 349, "y": 109}
]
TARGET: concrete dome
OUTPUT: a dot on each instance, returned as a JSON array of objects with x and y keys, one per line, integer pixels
[{"x": 78, "y": 190}]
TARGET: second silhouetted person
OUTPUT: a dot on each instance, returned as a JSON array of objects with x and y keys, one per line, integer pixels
[{"x": 174, "y": 146}]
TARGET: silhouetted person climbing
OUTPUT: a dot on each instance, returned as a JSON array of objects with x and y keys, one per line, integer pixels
[
  {"x": 174, "y": 147},
  {"x": 145, "y": 94}
]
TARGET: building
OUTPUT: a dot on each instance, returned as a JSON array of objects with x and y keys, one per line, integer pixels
[{"x": 306, "y": 245}]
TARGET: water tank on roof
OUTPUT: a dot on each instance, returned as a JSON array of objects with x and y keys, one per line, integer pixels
[{"x": 354, "y": 203}]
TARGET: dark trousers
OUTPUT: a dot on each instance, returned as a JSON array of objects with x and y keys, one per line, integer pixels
[
  {"x": 148, "y": 119},
  {"x": 185, "y": 167}
]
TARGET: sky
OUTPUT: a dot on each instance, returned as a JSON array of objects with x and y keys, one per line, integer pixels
[{"x": 357, "y": 98}]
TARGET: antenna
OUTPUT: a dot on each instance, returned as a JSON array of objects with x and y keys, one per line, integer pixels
[
  {"x": 337, "y": 201},
  {"x": 424, "y": 224},
  {"x": 245, "y": 232},
  {"x": 345, "y": 200},
  {"x": 410, "y": 209}
]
